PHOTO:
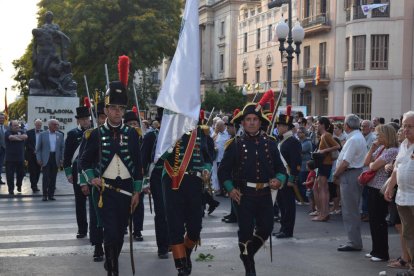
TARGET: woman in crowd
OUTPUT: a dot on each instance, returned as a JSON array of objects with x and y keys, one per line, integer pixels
[
  {"x": 338, "y": 132},
  {"x": 327, "y": 145},
  {"x": 404, "y": 259},
  {"x": 382, "y": 152},
  {"x": 306, "y": 156}
]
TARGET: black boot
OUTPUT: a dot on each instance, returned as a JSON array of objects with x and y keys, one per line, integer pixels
[
  {"x": 247, "y": 259},
  {"x": 108, "y": 260},
  {"x": 188, "y": 252},
  {"x": 98, "y": 253},
  {"x": 114, "y": 258},
  {"x": 181, "y": 265}
]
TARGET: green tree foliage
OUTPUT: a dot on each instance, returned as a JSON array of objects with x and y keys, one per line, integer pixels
[
  {"x": 17, "y": 108},
  {"x": 100, "y": 31},
  {"x": 233, "y": 99},
  {"x": 212, "y": 99},
  {"x": 24, "y": 69}
]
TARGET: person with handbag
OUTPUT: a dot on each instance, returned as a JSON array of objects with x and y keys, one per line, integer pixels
[
  {"x": 327, "y": 146},
  {"x": 382, "y": 152}
]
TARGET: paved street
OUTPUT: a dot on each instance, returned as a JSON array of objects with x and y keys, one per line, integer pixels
[{"x": 38, "y": 238}]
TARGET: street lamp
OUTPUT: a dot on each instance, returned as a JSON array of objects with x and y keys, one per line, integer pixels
[
  {"x": 285, "y": 32},
  {"x": 302, "y": 85}
]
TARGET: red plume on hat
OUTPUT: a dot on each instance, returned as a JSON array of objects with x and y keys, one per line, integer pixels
[
  {"x": 288, "y": 112},
  {"x": 202, "y": 116},
  {"x": 235, "y": 112},
  {"x": 123, "y": 70},
  {"x": 86, "y": 102},
  {"x": 272, "y": 105},
  {"x": 265, "y": 99},
  {"x": 135, "y": 109}
]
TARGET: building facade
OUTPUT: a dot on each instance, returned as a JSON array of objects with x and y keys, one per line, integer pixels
[
  {"x": 373, "y": 73},
  {"x": 218, "y": 40}
]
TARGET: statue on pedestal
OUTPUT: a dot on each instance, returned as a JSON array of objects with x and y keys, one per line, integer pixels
[{"x": 52, "y": 72}]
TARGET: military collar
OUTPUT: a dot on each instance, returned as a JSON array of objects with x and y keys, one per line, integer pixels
[
  {"x": 108, "y": 126},
  {"x": 286, "y": 135}
]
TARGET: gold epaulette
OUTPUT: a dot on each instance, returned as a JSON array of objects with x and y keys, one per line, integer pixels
[
  {"x": 138, "y": 130},
  {"x": 228, "y": 143},
  {"x": 88, "y": 133},
  {"x": 206, "y": 129}
]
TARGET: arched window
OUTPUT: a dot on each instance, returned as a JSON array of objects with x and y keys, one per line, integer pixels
[{"x": 361, "y": 102}]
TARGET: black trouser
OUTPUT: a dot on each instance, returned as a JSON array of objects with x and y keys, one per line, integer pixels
[
  {"x": 115, "y": 212},
  {"x": 34, "y": 171},
  {"x": 287, "y": 206},
  {"x": 49, "y": 176},
  {"x": 95, "y": 226},
  {"x": 255, "y": 211},
  {"x": 80, "y": 203},
  {"x": 14, "y": 167},
  {"x": 183, "y": 208},
  {"x": 138, "y": 217},
  {"x": 160, "y": 221},
  {"x": 378, "y": 210}
]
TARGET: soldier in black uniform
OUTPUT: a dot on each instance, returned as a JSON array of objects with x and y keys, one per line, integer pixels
[
  {"x": 251, "y": 166},
  {"x": 95, "y": 223},
  {"x": 154, "y": 170},
  {"x": 120, "y": 172},
  {"x": 182, "y": 185},
  {"x": 290, "y": 149},
  {"x": 70, "y": 164},
  {"x": 131, "y": 119}
]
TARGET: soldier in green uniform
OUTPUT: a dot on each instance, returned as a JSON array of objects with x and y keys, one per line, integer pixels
[{"x": 120, "y": 172}]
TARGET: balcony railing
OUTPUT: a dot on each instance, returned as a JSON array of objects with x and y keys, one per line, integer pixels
[
  {"x": 320, "y": 19},
  {"x": 375, "y": 13},
  {"x": 309, "y": 73}
]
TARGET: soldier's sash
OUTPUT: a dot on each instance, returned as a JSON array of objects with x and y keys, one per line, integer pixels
[{"x": 177, "y": 177}]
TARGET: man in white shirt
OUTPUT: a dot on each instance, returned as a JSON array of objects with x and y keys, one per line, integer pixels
[
  {"x": 403, "y": 174},
  {"x": 349, "y": 167},
  {"x": 220, "y": 139}
]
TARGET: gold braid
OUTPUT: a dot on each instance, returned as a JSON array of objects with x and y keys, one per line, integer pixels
[{"x": 177, "y": 158}]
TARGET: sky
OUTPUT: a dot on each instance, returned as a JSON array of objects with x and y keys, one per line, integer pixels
[{"x": 17, "y": 19}]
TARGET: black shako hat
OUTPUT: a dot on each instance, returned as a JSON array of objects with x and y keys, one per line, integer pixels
[
  {"x": 250, "y": 108},
  {"x": 130, "y": 116},
  {"x": 116, "y": 94},
  {"x": 82, "y": 112},
  {"x": 286, "y": 120}
]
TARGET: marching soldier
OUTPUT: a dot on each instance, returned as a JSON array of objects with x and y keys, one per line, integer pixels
[
  {"x": 251, "y": 166},
  {"x": 70, "y": 164},
  {"x": 131, "y": 119},
  {"x": 120, "y": 172},
  {"x": 95, "y": 223},
  {"x": 154, "y": 171},
  {"x": 182, "y": 185},
  {"x": 290, "y": 150}
]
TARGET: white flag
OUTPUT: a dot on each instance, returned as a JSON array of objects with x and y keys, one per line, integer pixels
[
  {"x": 366, "y": 9},
  {"x": 180, "y": 94}
]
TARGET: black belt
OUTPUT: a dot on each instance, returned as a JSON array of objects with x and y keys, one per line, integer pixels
[{"x": 350, "y": 169}]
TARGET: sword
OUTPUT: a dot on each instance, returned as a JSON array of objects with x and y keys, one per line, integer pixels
[
  {"x": 118, "y": 190},
  {"x": 150, "y": 201},
  {"x": 271, "y": 249},
  {"x": 131, "y": 246}
]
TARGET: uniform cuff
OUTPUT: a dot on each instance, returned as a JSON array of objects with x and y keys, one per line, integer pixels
[
  {"x": 281, "y": 177},
  {"x": 82, "y": 180},
  {"x": 208, "y": 166},
  {"x": 228, "y": 185},
  {"x": 138, "y": 186},
  {"x": 68, "y": 171},
  {"x": 292, "y": 178},
  {"x": 89, "y": 175}
]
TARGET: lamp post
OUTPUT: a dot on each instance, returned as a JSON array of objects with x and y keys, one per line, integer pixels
[
  {"x": 285, "y": 32},
  {"x": 302, "y": 85}
]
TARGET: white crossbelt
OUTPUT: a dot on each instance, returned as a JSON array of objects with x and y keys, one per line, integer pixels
[{"x": 257, "y": 185}]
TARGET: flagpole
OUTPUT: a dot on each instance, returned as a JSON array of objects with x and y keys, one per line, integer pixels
[
  {"x": 90, "y": 108},
  {"x": 106, "y": 76},
  {"x": 209, "y": 116},
  {"x": 136, "y": 102}
]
